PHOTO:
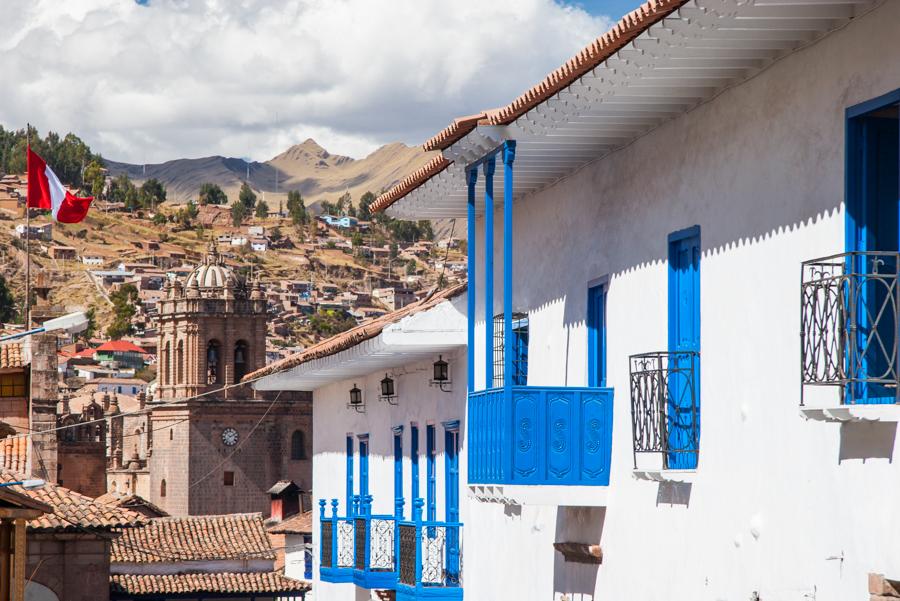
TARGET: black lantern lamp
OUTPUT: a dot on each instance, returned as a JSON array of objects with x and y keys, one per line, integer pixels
[
  {"x": 388, "y": 394},
  {"x": 441, "y": 375},
  {"x": 356, "y": 400}
]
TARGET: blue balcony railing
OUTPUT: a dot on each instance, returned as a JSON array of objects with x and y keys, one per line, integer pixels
[
  {"x": 359, "y": 548},
  {"x": 537, "y": 435},
  {"x": 428, "y": 558},
  {"x": 336, "y": 559}
]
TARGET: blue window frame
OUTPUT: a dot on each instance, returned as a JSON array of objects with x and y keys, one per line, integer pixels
[
  {"x": 596, "y": 321},
  {"x": 307, "y": 556},
  {"x": 873, "y": 226},
  {"x": 430, "y": 476},
  {"x": 518, "y": 348},
  {"x": 363, "y": 469},
  {"x": 683, "y": 408},
  {"x": 349, "y": 489},
  {"x": 398, "y": 472},
  {"x": 451, "y": 494},
  {"x": 414, "y": 461}
]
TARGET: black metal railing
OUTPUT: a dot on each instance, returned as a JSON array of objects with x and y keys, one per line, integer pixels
[
  {"x": 407, "y": 554},
  {"x": 326, "y": 543},
  {"x": 360, "y": 543},
  {"x": 381, "y": 543},
  {"x": 665, "y": 409},
  {"x": 849, "y": 318}
]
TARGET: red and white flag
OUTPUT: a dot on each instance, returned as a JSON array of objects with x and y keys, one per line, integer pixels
[{"x": 46, "y": 192}]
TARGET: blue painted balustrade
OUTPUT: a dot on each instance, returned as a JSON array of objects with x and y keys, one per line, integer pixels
[
  {"x": 538, "y": 435},
  {"x": 429, "y": 564},
  {"x": 360, "y": 548}
]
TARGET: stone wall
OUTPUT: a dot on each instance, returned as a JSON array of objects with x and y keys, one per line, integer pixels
[{"x": 74, "y": 566}]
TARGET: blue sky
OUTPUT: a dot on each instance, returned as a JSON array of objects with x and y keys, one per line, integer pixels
[{"x": 610, "y": 8}]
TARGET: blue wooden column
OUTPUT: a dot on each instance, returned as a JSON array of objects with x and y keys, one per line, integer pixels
[
  {"x": 489, "y": 166},
  {"x": 509, "y": 155},
  {"x": 472, "y": 179}
]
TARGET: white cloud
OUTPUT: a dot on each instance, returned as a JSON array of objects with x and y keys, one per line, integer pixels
[{"x": 251, "y": 77}]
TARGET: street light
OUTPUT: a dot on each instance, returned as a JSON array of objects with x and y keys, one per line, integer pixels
[
  {"x": 26, "y": 484},
  {"x": 73, "y": 323}
]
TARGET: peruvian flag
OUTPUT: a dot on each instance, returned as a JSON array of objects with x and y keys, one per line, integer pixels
[{"x": 46, "y": 192}]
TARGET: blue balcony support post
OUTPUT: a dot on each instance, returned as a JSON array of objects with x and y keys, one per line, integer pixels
[
  {"x": 367, "y": 505},
  {"x": 418, "y": 504},
  {"x": 355, "y": 506},
  {"x": 509, "y": 155},
  {"x": 489, "y": 167},
  {"x": 417, "y": 517},
  {"x": 398, "y": 472},
  {"x": 334, "y": 529},
  {"x": 471, "y": 180}
]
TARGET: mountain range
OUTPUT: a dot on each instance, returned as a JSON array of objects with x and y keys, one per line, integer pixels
[{"x": 307, "y": 167}]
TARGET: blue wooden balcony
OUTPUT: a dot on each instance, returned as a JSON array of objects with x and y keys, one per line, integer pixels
[
  {"x": 360, "y": 549},
  {"x": 540, "y": 435},
  {"x": 429, "y": 564}
]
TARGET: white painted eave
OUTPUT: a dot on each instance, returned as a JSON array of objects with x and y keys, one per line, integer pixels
[
  {"x": 682, "y": 61},
  {"x": 414, "y": 338}
]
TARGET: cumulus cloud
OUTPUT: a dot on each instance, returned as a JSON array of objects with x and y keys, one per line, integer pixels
[{"x": 176, "y": 78}]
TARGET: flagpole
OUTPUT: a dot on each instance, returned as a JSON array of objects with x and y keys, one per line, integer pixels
[{"x": 27, "y": 231}]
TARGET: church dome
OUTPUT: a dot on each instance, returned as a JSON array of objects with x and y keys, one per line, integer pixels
[{"x": 212, "y": 273}]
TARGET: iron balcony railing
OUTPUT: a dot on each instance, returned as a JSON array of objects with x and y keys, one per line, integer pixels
[
  {"x": 665, "y": 408},
  {"x": 429, "y": 554},
  {"x": 849, "y": 318},
  {"x": 336, "y": 558},
  {"x": 540, "y": 435}
]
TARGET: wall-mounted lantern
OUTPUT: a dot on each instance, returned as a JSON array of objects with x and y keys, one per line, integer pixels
[
  {"x": 356, "y": 400},
  {"x": 441, "y": 375},
  {"x": 388, "y": 393}
]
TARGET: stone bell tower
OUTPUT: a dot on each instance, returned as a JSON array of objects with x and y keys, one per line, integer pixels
[
  {"x": 220, "y": 452},
  {"x": 212, "y": 331}
]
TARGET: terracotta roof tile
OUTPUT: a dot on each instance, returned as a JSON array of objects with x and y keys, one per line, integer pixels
[
  {"x": 194, "y": 538},
  {"x": 135, "y": 503},
  {"x": 12, "y": 354},
  {"x": 411, "y": 182},
  {"x": 14, "y": 454},
  {"x": 72, "y": 511},
  {"x": 356, "y": 335},
  {"x": 120, "y": 346},
  {"x": 219, "y": 582},
  {"x": 298, "y": 524}
]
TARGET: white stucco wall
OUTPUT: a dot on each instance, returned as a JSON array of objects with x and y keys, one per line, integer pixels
[
  {"x": 418, "y": 403},
  {"x": 776, "y": 499}
]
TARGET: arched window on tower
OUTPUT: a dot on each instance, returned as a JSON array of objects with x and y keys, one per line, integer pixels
[
  {"x": 213, "y": 362},
  {"x": 179, "y": 363},
  {"x": 298, "y": 445},
  {"x": 162, "y": 488},
  {"x": 166, "y": 364},
  {"x": 241, "y": 360}
]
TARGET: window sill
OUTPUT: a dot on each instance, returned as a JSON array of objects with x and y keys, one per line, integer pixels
[
  {"x": 852, "y": 413},
  {"x": 665, "y": 475}
]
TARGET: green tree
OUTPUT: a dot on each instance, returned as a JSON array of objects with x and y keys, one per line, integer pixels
[
  {"x": 275, "y": 235},
  {"x": 153, "y": 192},
  {"x": 124, "y": 302},
  {"x": 94, "y": 178},
  {"x": 247, "y": 196},
  {"x": 365, "y": 201},
  {"x": 8, "y": 311},
  {"x": 296, "y": 208},
  {"x": 238, "y": 213},
  {"x": 91, "y": 328},
  {"x": 159, "y": 219},
  {"x": 411, "y": 268},
  {"x": 212, "y": 194},
  {"x": 262, "y": 210},
  {"x": 356, "y": 239}
]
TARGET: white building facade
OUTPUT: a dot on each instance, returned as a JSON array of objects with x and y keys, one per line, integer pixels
[
  {"x": 654, "y": 216},
  {"x": 388, "y": 458}
]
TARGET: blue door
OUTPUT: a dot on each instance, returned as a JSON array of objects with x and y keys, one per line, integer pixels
[
  {"x": 451, "y": 492},
  {"x": 363, "y": 472},
  {"x": 597, "y": 336},
  {"x": 875, "y": 182},
  {"x": 683, "y": 404}
]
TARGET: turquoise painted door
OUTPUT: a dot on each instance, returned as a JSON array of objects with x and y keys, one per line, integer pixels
[
  {"x": 683, "y": 405},
  {"x": 876, "y": 346}
]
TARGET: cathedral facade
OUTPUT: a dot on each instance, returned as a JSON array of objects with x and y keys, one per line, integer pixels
[{"x": 218, "y": 446}]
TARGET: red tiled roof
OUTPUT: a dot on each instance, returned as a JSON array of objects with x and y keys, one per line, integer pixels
[
  {"x": 297, "y": 524},
  {"x": 12, "y": 354},
  {"x": 14, "y": 454},
  {"x": 73, "y": 512},
  {"x": 411, "y": 182},
  {"x": 135, "y": 503},
  {"x": 626, "y": 30},
  {"x": 120, "y": 346},
  {"x": 356, "y": 335},
  {"x": 194, "y": 538},
  {"x": 218, "y": 582}
]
